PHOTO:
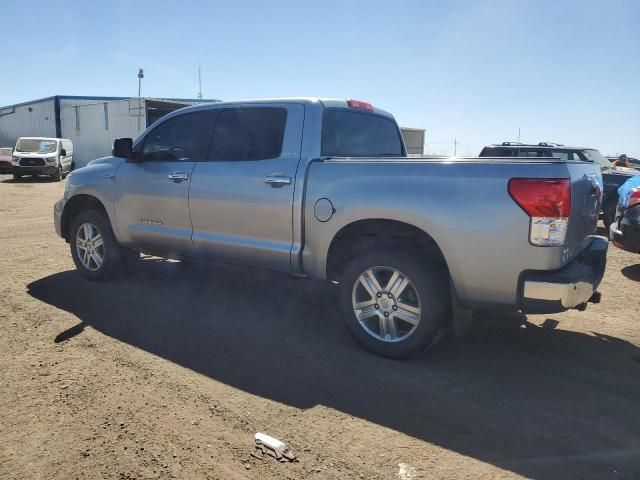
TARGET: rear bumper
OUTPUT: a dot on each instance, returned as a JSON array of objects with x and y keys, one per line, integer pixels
[
  {"x": 625, "y": 233},
  {"x": 5, "y": 166},
  {"x": 568, "y": 287},
  {"x": 40, "y": 170}
]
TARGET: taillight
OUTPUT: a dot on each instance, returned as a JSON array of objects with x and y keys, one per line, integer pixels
[
  {"x": 634, "y": 197},
  {"x": 360, "y": 104},
  {"x": 547, "y": 201}
]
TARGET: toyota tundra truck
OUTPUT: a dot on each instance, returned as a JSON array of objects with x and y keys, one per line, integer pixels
[{"x": 323, "y": 189}]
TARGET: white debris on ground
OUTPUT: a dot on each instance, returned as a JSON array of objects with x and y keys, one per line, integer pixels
[
  {"x": 274, "y": 447},
  {"x": 406, "y": 472}
]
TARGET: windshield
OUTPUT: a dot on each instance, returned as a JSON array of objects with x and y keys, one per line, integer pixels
[
  {"x": 5, "y": 151},
  {"x": 36, "y": 145},
  {"x": 596, "y": 157}
]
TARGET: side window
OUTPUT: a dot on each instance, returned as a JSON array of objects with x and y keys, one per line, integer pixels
[
  {"x": 577, "y": 156},
  {"x": 562, "y": 155},
  {"x": 496, "y": 152},
  {"x": 182, "y": 138},
  {"x": 245, "y": 134},
  {"x": 535, "y": 153}
]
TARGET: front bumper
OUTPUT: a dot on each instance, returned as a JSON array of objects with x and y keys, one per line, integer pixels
[
  {"x": 39, "y": 170},
  {"x": 625, "y": 231},
  {"x": 568, "y": 287}
]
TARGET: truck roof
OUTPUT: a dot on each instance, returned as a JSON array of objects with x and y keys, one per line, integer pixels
[
  {"x": 315, "y": 101},
  {"x": 542, "y": 145}
]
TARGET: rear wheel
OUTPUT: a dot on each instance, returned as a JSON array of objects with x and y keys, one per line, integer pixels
[
  {"x": 393, "y": 306},
  {"x": 94, "y": 248}
]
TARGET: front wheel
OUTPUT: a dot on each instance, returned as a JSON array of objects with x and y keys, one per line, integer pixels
[
  {"x": 94, "y": 248},
  {"x": 17, "y": 177},
  {"x": 394, "y": 305}
]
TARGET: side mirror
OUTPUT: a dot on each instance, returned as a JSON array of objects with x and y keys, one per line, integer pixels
[
  {"x": 123, "y": 147},
  {"x": 63, "y": 153}
]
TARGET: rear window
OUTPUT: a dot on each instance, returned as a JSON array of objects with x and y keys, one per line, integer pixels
[
  {"x": 595, "y": 156},
  {"x": 346, "y": 133},
  {"x": 249, "y": 134}
]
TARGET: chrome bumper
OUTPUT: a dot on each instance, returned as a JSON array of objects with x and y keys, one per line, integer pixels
[
  {"x": 569, "y": 287},
  {"x": 567, "y": 295}
]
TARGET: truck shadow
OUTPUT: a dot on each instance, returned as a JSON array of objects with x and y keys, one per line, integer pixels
[
  {"x": 632, "y": 272},
  {"x": 539, "y": 401}
]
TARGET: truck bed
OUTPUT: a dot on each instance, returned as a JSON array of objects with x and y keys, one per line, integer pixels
[{"x": 463, "y": 204}]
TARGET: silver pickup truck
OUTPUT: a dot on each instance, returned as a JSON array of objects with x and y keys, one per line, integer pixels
[{"x": 323, "y": 189}]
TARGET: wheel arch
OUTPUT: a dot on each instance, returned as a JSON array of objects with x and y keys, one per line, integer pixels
[
  {"x": 366, "y": 234},
  {"x": 74, "y": 206}
]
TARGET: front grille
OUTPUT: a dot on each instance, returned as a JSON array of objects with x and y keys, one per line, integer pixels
[{"x": 32, "y": 162}]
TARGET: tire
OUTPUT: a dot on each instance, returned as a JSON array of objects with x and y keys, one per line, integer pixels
[
  {"x": 110, "y": 252},
  {"x": 426, "y": 300},
  {"x": 17, "y": 177},
  {"x": 58, "y": 175}
]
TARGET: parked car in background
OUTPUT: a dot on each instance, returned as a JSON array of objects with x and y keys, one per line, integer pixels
[
  {"x": 42, "y": 156},
  {"x": 634, "y": 162},
  {"x": 612, "y": 177},
  {"x": 625, "y": 230},
  {"x": 5, "y": 159},
  {"x": 322, "y": 188}
]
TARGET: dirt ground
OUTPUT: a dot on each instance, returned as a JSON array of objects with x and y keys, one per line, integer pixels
[{"x": 169, "y": 372}]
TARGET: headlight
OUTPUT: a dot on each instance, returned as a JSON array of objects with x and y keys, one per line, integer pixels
[
  {"x": 15, "y": 159},
  {"x": 51, "y": 159}
]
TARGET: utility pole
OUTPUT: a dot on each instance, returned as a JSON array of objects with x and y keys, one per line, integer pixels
[
  {"x": 455, "y": 147},
  {"x": 140, "y": 77},
  {"x": 518, "y": 134},
  {"x": 199, "y": 81}
]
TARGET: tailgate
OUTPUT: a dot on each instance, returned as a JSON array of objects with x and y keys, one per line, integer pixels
[{"x": 586, "y": 196}]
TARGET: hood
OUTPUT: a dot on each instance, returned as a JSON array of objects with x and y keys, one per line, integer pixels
[
  {"x": 623, "y": 171},
  {"x": 101, "y": 160}
]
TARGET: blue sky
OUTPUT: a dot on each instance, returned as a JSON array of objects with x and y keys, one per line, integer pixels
[{"x": 565, "y": 71}]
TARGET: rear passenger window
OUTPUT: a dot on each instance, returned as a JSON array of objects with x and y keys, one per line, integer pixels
[
  {"x": 249, "y": 134},
  {"x": 181, "y": 138},
  {"x": 496, "y": 152},
  {"x": 346, "y": 133}
]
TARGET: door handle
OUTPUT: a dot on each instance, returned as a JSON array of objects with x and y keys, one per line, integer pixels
[
  {"x": 277, "y": 180},
  {"x": 178, "y": 176}
]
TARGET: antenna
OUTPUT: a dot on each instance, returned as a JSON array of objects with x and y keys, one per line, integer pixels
[
  {"x": 199, "y": 81},
  {"x": 140, "y": 77}
]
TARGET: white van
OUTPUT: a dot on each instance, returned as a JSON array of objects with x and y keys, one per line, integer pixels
[{"x": 42, "y": 156}]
